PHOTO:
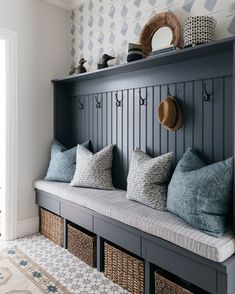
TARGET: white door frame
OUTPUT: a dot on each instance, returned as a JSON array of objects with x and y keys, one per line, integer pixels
[{"x": 10, "y": 211}]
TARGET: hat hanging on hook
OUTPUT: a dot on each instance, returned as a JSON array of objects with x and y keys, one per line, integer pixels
[{"x": 169, "y": 113}]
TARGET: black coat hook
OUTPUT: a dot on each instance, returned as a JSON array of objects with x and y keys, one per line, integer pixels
[
  {"x": 207, "y": 96},
  {"x": 98, "y": 103},
  {"x": 141, "y": 99},
  {"x": 168, "y": 91},
  {"x": 80, "y": 105},
  {"x": 118, "y": 102}
]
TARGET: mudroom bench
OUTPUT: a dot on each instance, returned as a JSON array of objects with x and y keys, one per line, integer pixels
[
  {"x": 118, "y": 106},
  {"x": 159, "y": 238}
]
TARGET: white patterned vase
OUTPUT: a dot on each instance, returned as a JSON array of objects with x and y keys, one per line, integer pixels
[{"x": 199, "y": 30}]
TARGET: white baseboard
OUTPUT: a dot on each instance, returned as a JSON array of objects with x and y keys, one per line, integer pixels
[{"x": 27, "y": 226}]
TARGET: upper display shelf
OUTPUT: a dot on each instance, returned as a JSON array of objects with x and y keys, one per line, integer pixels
[{"x": 217, "y": 47}]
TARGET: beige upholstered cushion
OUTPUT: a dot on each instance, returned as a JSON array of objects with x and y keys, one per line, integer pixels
[
  {"x": 148, "y": 179},
  {"x": 158, "y": 223},
  {"x": 94, "y": 170}
]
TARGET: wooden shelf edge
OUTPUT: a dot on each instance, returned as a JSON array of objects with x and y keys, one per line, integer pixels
[{"x": 200, "y": 51}]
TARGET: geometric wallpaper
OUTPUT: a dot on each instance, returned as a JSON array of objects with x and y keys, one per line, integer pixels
[{"x": 107, "y": 26}]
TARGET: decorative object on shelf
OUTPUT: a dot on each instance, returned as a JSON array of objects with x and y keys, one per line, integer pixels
[
  {"x": 170, "y": 114},
  {"x": 104, "y": 61},
  {"x": 79, "y": 69},
  {"x": 135, "y": 52},
  {"x": 164, "y": 50},
  {"x": 163, "y": 28},
  {"x": 72, "y": 71},
  {"x": 199, "y": 30}
]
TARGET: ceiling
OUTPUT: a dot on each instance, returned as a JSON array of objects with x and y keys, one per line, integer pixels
[{"x": 65, "y": 4}]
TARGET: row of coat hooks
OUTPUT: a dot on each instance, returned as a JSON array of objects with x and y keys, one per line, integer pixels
[{"x": 142, "y": 101}]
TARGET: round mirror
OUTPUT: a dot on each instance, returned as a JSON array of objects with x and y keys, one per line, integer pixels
[
  {"x": 161, "y": 38},
  {"x": 162, "y": 29}
]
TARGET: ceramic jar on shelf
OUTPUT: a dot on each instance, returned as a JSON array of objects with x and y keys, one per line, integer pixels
[{"x": 199, "y": 30}]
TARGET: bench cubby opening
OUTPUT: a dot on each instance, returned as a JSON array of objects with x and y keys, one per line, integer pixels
[
  {"x": 52, "y": 226},
  {"x": 82, "y": 244},
  {"x": 124, "y": 268},
  {"x": 167, "y": 283}
]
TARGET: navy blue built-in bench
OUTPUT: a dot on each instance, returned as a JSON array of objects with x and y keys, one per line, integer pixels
[{"x": 160, "y": 238}]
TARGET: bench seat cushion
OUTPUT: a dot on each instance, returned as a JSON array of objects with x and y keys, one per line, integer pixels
[{"x": 158, "y": 223}]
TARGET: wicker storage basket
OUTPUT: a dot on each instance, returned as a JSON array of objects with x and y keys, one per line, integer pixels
[
  {"x": 165, "y": 286},
  {"x": 124, "y": 269},
  {"x": 82, "y": 245},
  {"x": 52, "y": 226}
]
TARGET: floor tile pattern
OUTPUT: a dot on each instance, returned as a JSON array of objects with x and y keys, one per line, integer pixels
[{"x": 71, "y": 272}]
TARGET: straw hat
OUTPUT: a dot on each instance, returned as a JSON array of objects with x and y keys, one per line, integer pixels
[{"x": 170, "y": 114}]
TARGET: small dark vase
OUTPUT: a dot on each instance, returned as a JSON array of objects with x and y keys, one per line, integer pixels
[{"x": 134, "y": 52}]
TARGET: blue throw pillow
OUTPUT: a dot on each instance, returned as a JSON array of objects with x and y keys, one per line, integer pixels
[
  {"x": 201, "y": 194},
  {"x": 63, "y": 162}
]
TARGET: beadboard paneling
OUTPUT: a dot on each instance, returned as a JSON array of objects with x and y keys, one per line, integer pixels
[{"x": 207, "y": 126}]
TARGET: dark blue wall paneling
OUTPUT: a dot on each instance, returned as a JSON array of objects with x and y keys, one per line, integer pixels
[{"x": 207, "y": 126}]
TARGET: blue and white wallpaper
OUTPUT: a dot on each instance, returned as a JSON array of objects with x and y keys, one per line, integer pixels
[{"x": 107, "y": 26}]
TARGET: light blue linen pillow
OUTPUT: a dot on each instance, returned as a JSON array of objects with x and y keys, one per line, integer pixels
[
  {"x": 62, "y": 163},
  {"x": 201, "y": 194}
]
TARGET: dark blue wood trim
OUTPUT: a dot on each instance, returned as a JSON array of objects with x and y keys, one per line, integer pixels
[
  {"x": 149, "y": 286},
  {"x": 193, "y": 69},
  {"x": 65, "y": 233},
  {"x": 100, "y": 254}
]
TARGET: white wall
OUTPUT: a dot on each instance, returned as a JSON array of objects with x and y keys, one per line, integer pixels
[{"x": 43, "y": 46}]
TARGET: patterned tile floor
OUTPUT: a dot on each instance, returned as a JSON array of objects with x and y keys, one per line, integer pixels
[{"x": 71, "y": 272}]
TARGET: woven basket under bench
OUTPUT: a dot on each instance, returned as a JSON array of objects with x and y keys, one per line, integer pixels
[
  {"x": 124, "y": 269},
  {"x": 52, "y": 226},
  {"x": 82, "y": 244},
  {"x": 165, "y": 286}
]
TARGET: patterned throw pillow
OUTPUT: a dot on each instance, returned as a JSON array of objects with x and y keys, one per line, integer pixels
[
  {"x": 201, "y": 194},
  {"x": 63, "y": 162},
  {"x": 94, "y": 170},
  {"x": 148, "y": 178}
]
